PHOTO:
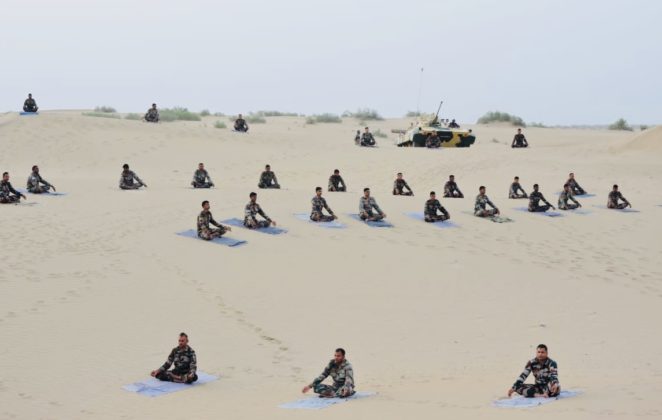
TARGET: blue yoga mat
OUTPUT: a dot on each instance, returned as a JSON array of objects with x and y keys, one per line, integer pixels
[
  {"x": 626, "y": 210},
  {"x": 223, "y": 240},
  {"x": 541, "y": 213},
  {"x": 28, "y": 113},
  {"x": 335, "y": 224},
  {"x": 152, "y": 387},
  {"x": 46, "y": 194},
  {"x": 442, "y": 225},
  {"x": 381, "y": 223},
  {"x": 271, "y": 230},
  {"x": 316, "y": 403},
  {"x": 521, "y": 402}
]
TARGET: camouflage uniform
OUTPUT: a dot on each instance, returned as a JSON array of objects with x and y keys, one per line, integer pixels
[
  {"x": 564, "y": 197},
  {"x": 335, "y": 182},
  {"x": 367, "y": 139},
  {"x": 480, "y": 207},
  {"x": 240, "y": 125},
  {"x": 268, "y": 180},
  {"x": 34, "y": 184},
  {"x": 185, "y": 364},
  {"x": 430, "y": 211},
  {"x": 207, "y": 232},
  {"x": 343, "y": 380},
  {"x": 152, "y": 115},
  {"x": 30, "y": 105},
  {"x": 546, "y": 375},
  {"x": 8, "y": 194},
  {"x": 365, "y": 209},
  {"x": 534, "y": 202},
  {"x": 612, "y": 200},
  {"x": 399, "y": 186},
  {"x": 519, "y": 141},
  {"x": 515, "y": 188},
  {"x": 127, "y": 178},
  {"x": 574, "y": 187},
  {"x": 317, "y": 215},
  {"x": 201, "y": 179},
  {"x": 452, "y": 191},
  {"x": 250, "y": 220}
]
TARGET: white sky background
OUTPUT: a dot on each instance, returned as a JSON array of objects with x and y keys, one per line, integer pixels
[{"x": 557, "y": 62}]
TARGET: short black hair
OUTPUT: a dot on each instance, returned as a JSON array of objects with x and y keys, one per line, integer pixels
[
  {"x": 205, "y": 202},
  {"x": 267, "y": 166},
  {"x": 318, "y": 189},
  {"x": 5, "y": 173},
  {"x": 252, "y": 194},
  {"x": 433, "y": 193},
  {"x": 366, "y": 189},
  {"x": 482, "y": 187},
  {"x": 125, "y": 166},
  {"x": 542, "y": 346},
  {"x": 535, "y": 185},
  {"x": 399, "y": 173},
  {"x": 516, "y": 177},
  {"x": 615, "y": 186},
  {"x": 336, "y": 171},
  {"x": 340, "y": 350},
  {"x": 34, "y": 166},
  {"x": 183, "y": 334},
  {"x": 200, "y": 163}
]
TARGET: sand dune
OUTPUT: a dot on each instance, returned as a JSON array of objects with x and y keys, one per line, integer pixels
[{"x": 96, "y": 285}]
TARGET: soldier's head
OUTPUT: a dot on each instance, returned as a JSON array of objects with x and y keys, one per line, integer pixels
[
  {"x": 366, "y": 192},
  {"x": 358, "y": 131},
  {"x": 253, "y": 197},
  {"x": 267, "y": 168},
  {"x": 35, "y": 168},
  {"x": 29, "y": 96},
  {"x": 399, "y": 175},
  {"x": 535, "y": 187},
  {"x": 318, "y": 191},
  {"x": 433, "y": 195},
  {"x": 183, "y": 340},
  {"x": 519, "y": 131},
  {"x": 240, "y": 117},
  {"x": 566, "y": 187},
  {"x": 339, "y": 355},
  {"x": 367, "y": 129},
  {"x": 481, "y": 189},
  {"x": 201, "y": 166},
  {"x": 571, "y": 175},
  {"x": 205, "y": 205},
  {"x": 615, "y": 187},
  {"x": 125, "y": 166},
  {"x": 451, "y": 178},
  {"x": 336, "y": 172},
  {"x": 516, "y": 179},
  {"x": 153, "y": 106},
  {"x": 5, "y": 176},
  {"x": 541, "y": 352}
]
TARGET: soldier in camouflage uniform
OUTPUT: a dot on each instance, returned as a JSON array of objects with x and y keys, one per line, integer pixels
[
  {"x": 319, "y": 205},
  {"x": 251, "y": 211},
  {"x": 480, "y": 206},
  {"x": 515, "y": 188},
  {"x": 564, "y": 197},
  {"x": 357, "y": 138},
  {"x": 37, "y": 184},
  {"x": 340, "y": 370},
  {"x": 432, "y": 141},
  {"x": 432, "y": 207},
  {"x": 205, "y": 218},
  {"x": 7, "y": 193},
  {"x": 367, "y": 139},
  {"x": 451, "y": 189},
  {"x": 127, "y": 179},
  {"x": 183, "y": 357},
  {"x": 574, "y": 186},
  {"x": 399, "y": 186},
  {"x": 336, "y": 183},
  {"x": 30, "y": 105},
  {"x": 366, "y": 205},
  {"x": 614, "y": 197},
  {"x": 545, "y": 372},
  {"x": 240, "y": 124},
  {"x": 519, "y": 140},
  {"x": 268, "y": 179},
  {"x": 534, "y": 201},
  {"x": 201, "y": 178},
  {"x": 152, "y": 114}
]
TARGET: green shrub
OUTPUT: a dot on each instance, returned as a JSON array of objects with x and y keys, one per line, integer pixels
[
  {"x": 323, "y": 118},
  {"x": 411, "y": 114},
  {"x": 106, "y": 109},
  {"x": 205, "y": 113},
  {"x": 537, "y": 125},
  {"x": 219, "y": 114},
  {"x": 101, "y": 115},
  {"x": 380, "y": 134},
  {"x": 364, "y": 114},
  {"x": 620, "y": 124},
  {"x": 643, "y": 127},
  {"x": 255, "y": 119},
  {"x": 220, "y": 124},
  {"x": 275, "y": 114},
  {"x": 133, "y": 116},
  {"x": 178, "y": 114},
  {"x": 311, "y": 120},
  {"x": 496, "y": 116}
]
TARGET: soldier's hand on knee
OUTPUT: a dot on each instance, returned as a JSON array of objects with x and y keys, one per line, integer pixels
[
  {"x": 154, "y": 372},
  {"x": 305, "y": 389},
  {"x": 510, "y": 392}
]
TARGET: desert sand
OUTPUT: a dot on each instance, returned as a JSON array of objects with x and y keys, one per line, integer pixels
[{"x": 95, "y": 285}]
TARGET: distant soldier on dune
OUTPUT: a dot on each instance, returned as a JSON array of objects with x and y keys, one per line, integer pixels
[
  {"x": 519, "y": 140},
  {"x": 30, "y": 105},
  {"x": 152, "y": 114},
  {"x": 129, "y": 180}
]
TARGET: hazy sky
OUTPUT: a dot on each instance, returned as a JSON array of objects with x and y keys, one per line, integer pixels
[{"x": 558, "y": 62}]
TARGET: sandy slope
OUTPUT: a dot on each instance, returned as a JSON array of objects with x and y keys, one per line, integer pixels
[{"x": 95, "y": 286}]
